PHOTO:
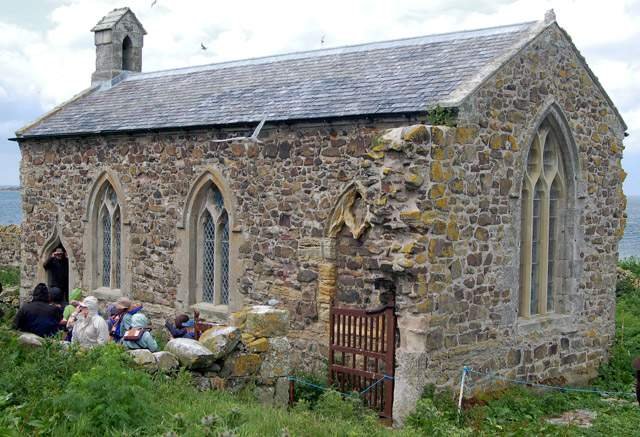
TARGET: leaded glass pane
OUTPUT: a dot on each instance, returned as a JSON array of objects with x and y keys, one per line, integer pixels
[
  {"x": 106, "y": 248},
  {"x": 208, "y": 257},
  {"x": 553, "y": 220},
  {"x": 549, "y": 157},
  {"x": 217, "y": 199},
  {"x": 116, "y": 249},
  {"x": 224, "y": 261},
  {"x": 535, "y": 247}
]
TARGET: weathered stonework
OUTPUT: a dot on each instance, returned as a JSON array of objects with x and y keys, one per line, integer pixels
[
  {"x": 10, "y": 245},
  {"x": 323, "y": 210}
]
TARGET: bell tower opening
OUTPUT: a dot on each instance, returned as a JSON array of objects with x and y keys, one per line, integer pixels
[{"x": 127, "y": 54}]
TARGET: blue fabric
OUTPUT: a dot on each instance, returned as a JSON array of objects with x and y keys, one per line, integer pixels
[
  {"x": 123, "y": 324},
  {"x": 178, "y": 332},
  {"x": 146, "y": 342}
]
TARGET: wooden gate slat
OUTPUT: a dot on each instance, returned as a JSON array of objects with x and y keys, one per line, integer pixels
[{"x": 365, "y": 340}]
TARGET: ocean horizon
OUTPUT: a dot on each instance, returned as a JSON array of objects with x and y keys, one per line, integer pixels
[{"x": 11, "y": 213}]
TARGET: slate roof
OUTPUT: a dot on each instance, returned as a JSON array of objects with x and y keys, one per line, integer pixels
[
  {"x": 392, "y": 77},
  {"x": 111, "y": 19}
]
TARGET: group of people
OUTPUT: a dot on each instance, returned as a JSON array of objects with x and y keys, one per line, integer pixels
[{"x": 80, "y": 321}]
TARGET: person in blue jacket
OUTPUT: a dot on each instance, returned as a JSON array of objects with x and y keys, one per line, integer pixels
[{"x": 138, "y": 336}]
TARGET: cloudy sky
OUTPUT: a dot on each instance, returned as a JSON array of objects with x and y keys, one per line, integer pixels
[{"x": 47, "y": 53}]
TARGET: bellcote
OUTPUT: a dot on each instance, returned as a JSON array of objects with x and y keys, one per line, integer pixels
[{"x": 119, "y": 38}]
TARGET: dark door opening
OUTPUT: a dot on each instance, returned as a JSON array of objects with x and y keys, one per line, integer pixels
[{"x": 57, "y": 269}]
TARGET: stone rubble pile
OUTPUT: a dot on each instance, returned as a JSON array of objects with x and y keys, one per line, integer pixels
[{"x": 226, "y": 357}]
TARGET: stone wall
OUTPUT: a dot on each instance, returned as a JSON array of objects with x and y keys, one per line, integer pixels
[
  {"x": 323, "y": 210},
  {"x": 9, "y": 245}
]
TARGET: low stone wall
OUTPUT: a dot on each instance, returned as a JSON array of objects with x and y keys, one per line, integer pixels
[
  {"x": 253, "y": 350},
  {"x": 10, "y": 245}
]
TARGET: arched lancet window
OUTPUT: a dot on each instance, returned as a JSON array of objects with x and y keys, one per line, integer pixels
[
  {"x": 127, "y": 54},
  {"x": 108, "y": 235},
  {"x": 212, "y": 235},
  {"x": 544, "y": 204}
]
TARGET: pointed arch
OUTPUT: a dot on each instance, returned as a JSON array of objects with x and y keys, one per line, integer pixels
[
  {"x": 209, "y": 175},
  {"x": 209, "y": 240},
  {"x": 98, "y": 184},
  {"x": 127, "y": 54},
  {"x": 56, "y": 238},
  {"x": 549, "y": 211},
  {"x": 551, "y": 113},
  {"x": 351, "y": 210},
  {"x": 106, "y": 237}
]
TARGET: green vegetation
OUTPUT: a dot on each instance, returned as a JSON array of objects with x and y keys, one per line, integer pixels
[
  {"x": 440, "y": 116},
  {"x": 58, "y": 391},
  {"x": 10, "y": 276},
  {"x": 516, "y": 410}
]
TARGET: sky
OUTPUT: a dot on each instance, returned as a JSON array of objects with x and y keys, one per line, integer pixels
[{"x": 47, "y": 52}]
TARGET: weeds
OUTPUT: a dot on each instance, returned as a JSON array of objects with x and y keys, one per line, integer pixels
[
  {"x": 440, "y": 116},
  {"x": 10, "y": 276}
]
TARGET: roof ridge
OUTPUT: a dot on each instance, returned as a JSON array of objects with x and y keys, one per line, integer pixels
[{"x": 421, "y": 39}]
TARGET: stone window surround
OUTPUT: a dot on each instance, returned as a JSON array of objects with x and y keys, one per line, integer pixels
[
  {"x": 92, "y": 244},
  {"x": 569, "y": 266},
  {"x": 187, "y": 253}
]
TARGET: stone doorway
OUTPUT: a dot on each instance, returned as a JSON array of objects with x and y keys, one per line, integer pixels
[{"x": 45, "y": 274}]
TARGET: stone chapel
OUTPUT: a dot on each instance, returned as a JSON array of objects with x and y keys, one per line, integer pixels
[{"x": 470, "y": 179}]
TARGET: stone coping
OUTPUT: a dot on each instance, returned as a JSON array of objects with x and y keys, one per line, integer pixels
[
  {"x": 543, "y": 322},
  {"x": 107, "y": 294},
  {"x": 211, "y": 312}
]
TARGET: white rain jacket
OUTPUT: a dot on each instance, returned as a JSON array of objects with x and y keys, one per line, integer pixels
[{"x": 92, "y": 330}]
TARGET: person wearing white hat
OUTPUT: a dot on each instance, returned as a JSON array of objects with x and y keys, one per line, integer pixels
[{"x": 89, "y": 329}]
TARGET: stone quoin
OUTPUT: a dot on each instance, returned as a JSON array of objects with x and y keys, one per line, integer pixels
[{"x": 477, "y": 172}]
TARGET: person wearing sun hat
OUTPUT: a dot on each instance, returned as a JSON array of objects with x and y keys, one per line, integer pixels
[
  {"x": 120, "y": 319},
  {"x": 89, "y": 329}
]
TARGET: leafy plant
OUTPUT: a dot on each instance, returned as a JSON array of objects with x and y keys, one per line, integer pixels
[
  {"x": 631, "y": 264},
  {"x": 10, "y": 276},
  {"x": 108, "y": 396},
  {"x": 440, "y": 116}
]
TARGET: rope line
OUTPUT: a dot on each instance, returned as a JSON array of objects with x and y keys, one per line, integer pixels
[
  {"x": 324, "y": 388},
  {"x": 492, "y": 375}
]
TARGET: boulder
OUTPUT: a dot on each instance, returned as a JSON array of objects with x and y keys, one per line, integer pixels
[
  {"x": 241, "y": 364},
  {"x": 29, "y": 339},
  {"x": 167, "y": 362},
  {"x": 190, "y": 353},
  {"x": 201, "y": 383},
  {"x": 221, "y": 341},
  {"x": 259, "y": 345},
  {"x": 281, "y": 397},
  {"x": 144, "y": 358},
  {"x": 265, "y": 321},
  {"x": 276, "y": 362}
]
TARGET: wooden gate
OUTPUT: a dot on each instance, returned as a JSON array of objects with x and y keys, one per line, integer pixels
[{"x": 361, "y": 354}]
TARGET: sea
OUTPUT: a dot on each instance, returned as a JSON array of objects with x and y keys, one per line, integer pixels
[{"x": 11, "y": 213}]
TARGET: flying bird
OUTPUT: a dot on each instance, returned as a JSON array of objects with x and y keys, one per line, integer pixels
[
  {"x": 203, "y": 47},
  {"x": 154, "y": 3},
  {"x": 322, "y": 40},
  {"x": 253, "y": 138}
]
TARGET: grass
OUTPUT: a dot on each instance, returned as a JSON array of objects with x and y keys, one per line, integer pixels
[
  {"x": 519, "y": 411},
  {"x": 9, "y": 276},
  {"x": 57, "y": 391}
]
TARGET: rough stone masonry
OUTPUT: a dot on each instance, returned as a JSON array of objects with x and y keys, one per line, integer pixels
[{"x": 323, "y": 207}]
